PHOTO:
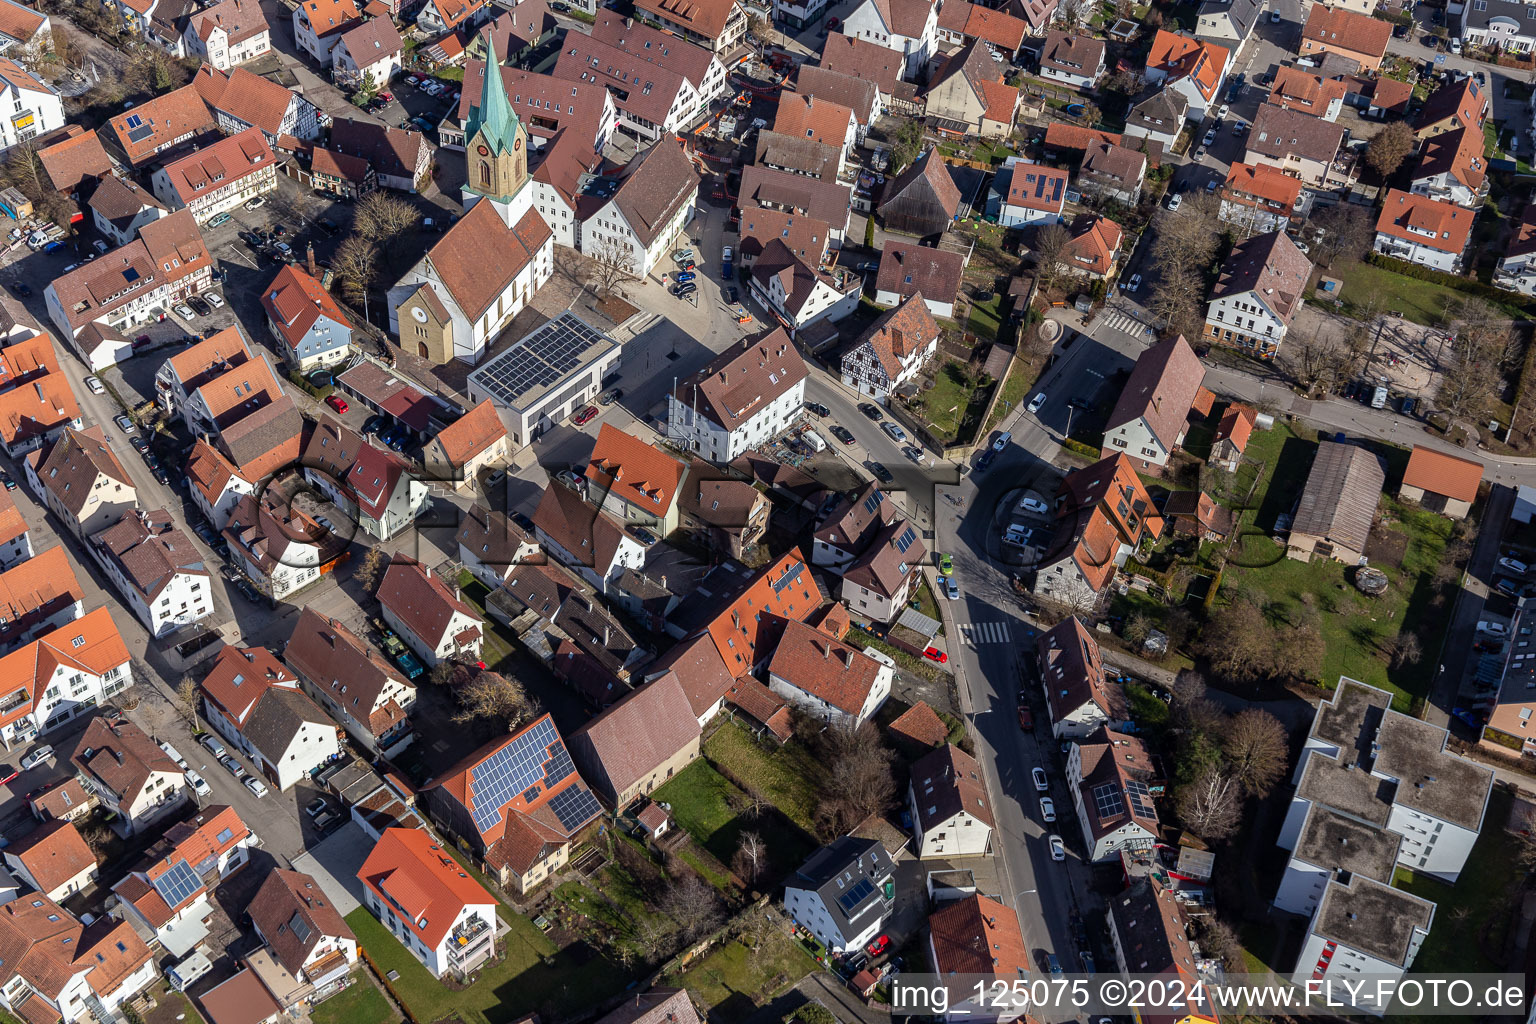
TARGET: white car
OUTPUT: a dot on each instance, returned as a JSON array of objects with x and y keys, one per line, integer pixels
[
  {"x": 183, "y": 310},
  {"x": 1041, "y": 782},
  {"x": 37, "y": 757},
  {"x": 1002, "y": 441},
  {"x": 1134, "y": 283},
  {"x": 94, "y": 385},
  {"x": 1047, "y": 809},
  {"x": 1514, "y": 565},
  {"x": 214, "y": 299},
  {"x": 1034, "y": 505},
  {"x": 1175, "y": 201},
  {"x": 255, "y": 203},
  {"x": 1058, "y": 848},
  {"x": 1496, "y": 629},
  {"x": 1036, "y": 402},
  {"x": 897, "y": 434},
  {"x": 175, "y": 755},
  {"x": 195, "y": 780},
  {"x": 1274, "y": 17},
  {"x": 1455, "y": 45},
  {"x": 1221, "y": 115},
  {"x": 255, "y": 785}
]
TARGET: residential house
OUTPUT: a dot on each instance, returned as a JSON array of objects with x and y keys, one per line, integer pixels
[
  {"x": 1338, "y": 944},
  {"x": 977, "y": 935},
  {"x": 341, "y": 174},
  {"x": 867, "y": 61},
  {"x": 907, "y": 27},
  {"x": 65, "y": 800},
  {"x": 1112, "y": 172},
  {"x": 948, "y": 801},
  {"x": 1232, "y": 435},
  {"x": 367, "y": 55},
  {"x": 429, "y": 617},
  {"x": 352, "y": 681},
  {"x": 850, "y": 526},
  {"x": 119, "y": 208},
  {"x": 1422, "y": 230},
  {"x": 59, "y": 969},
  {"x": 1194, "y": 68},
  {"x": 1458, "y": 104},
  {"x": 374, "y": 486},
  {"x": 53, "y": 860},
  {"x": 253, "y": 701},
  {"x": 717, "y": 25},
  {"x": 727, "y": 515},
  {"x": 169, "y": 894},
  {"x": 858, "y": 95},
  {"x": 474, "y": 442},
  {"x": 553, "y": 610},
  {"x": 793, "y": 193},
  {"x": 741, "y": 398},
  {"x": 128, "y": 773},
  {"x": 1500, "y": 25},
  {"x": 700, "y": 65},
  {"x": 38, "y": 596},
  {"x": 1071, "y": 59},
  {"x": 907, "y": 268},
  {"x": 1258, "y": 294},
  {"x": 1338, "y": 504},
  {"x": 588, "y": 540},
  {"x": 1077, "y": 696},
  {"x": 1108, "y": 775},
  {"x": 218, "y": 178},
  {"x": 1359, "y": 37},
  {"x": 227, "y": 33},
  {"x": 960, "y": 21},
  {"x": 803, "y": 295},
  {"x": 93, "y": 305},
  {"x": 892, "y": 352},
  {"x": 1066, "y": 143},
  {"x": 33, "y": 107},
  {"x": 1516, "y": 271},
  {"x": 1194, "y": 514},
  {"x": 653, "y": 202},
  {"x": 240, "y": 100},
  {"x": 491, "y": 545},
  {"x": 1150, "y": 934},
  {"x": 665, "y": 104},
  {"x": 967, "y": 95},
  {"x": 517, "y": 802},
  {"x": 78, "y": 476},
  {"x": 61, "y": 675},
  {"x": 1093, "y": 250},
  {"x": 217, "y": 484},
  {"x": 826, "y": 677},
  {"x": 806, "y": 116},
  {"x": 1439, "y": 482},
  {"x": 1027, "y": 193},
  {"x": 76, "y": 161},
  {"x": 634, "y": 482},
  {"x": 303, "y": 929},
  {"x": 401, "y": 158},
  {"x": 1158, "y": 117},
  {"x": 1228, "y": 22},
  {"x": 437, "y": 912},
  {"x": 156, "y": 568},
  {"x": 843, "y": 894},
  {"x": 158, "y": 128},
  {"x": 1451, "y": 168},
  {"x": 22, "y": 28},
  {"x": 1258, "y": 197},
  {"x": 921, "y": 200},
  {"x": 1102, "y": 514},
  {"x": 1152, "y": 413},
  {"x": 806, "y": 238},
  {"x": 306, "y": 320},
  {"x": 1300, "y": 88},
  {"x": 15, "y": 541},
  {"x": 639, "y": 743},
  {"x": 1300, "y": 145},
  {"x": 319, "y": 24},
  {"x": 33, "y": 415},
  {"x": 439, "y": 16},
  {"x": 658, "y": 1006},
  {"x": 739, "y": 610}
]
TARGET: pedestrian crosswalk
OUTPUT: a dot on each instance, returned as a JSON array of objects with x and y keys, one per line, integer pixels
[
  {"x": 1122, "y": 322},
  {"x": 974, "y": 634}
]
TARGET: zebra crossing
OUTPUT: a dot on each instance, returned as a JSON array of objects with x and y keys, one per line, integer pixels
[
  {"x": 974, "y": 634},
  {"x": 1122, "y": 322}
]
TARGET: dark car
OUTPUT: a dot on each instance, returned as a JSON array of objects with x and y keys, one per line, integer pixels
[
  {"x": 985, "y": 460},
  {"x": 871, "y": 410},
  {"x": 881, "y": 473},
  {"x": 643, "y": 535},
  {"x": 199, "y": 307},
  {"x": 328, "y": 226},
  {"x": 139, "y": 445},
  {"x": 22, "y": 288},
  {"x": 249, "y": 592},
  {"x": 843, "y": 434},
  {"x": 559, "y": 8},
  {"x": 5, "y": 478},
  {"x": 522, "y": 521},
  {"x": 374, "y": 424},
  {"x": 818, "y": 409},
  {"x": 731, "y": 294}
]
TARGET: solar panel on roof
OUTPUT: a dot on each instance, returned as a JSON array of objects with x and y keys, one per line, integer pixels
[
  {"x": 872, "y": 502},
  {"x": 140, "y": 134},
  {"x": 540, "y": 359},
  {"x": 575, "y": 807},
  {"x": 1141, "y": 798},
  {"x": 509, "y": 772},
  {"x": 559, "y": 765},
  {"x": 178, "y": 883},
  {"x": 1108, "y": 801},
  {"x": 850, "y": 900},
  {"x": 788, "y": 578},
  {"x": 905, "y": 540}
]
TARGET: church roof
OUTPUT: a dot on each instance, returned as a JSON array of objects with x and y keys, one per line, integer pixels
[{"x": 493, "y": 115}]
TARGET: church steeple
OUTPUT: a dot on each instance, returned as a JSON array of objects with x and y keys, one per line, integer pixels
[
  {"x": 496, "y": 150},
  {"x": 493, "y": 118}
]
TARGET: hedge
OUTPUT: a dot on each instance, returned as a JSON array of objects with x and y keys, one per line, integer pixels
[
  {"x": 318, "y": 394},
  {"x": 1087, "y": 451},
  {"x": 1464, "y": 284}
]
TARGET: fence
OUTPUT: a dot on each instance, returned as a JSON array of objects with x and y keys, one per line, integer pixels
[{"x": 405, "y": 1011}]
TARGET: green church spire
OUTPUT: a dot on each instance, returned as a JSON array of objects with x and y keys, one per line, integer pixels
[{"x": 493, "y": 115}]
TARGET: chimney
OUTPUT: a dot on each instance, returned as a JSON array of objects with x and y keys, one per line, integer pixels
[{"x": 313, "y": 271}]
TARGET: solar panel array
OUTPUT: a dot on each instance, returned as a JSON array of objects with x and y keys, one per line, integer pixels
[
  {"x": 850, "y": 900},
  {"x": 906, "y": 539},
  {"x": 575, "y": 807},
  {"x": 508, "y": 773},
  {"x": 1141, "y": 799},
  {"x": 179, "y": 882},
  {"x": 540, "y": 359},
  {"x": 1107, "y": 799},
  {"x": 872, "y": 503},
  {"x": 789, "y": 577},
  {"x": 559, "y": 766}
]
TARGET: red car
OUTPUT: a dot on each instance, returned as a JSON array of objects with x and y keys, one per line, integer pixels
[
  {"x": 8, "y": 774},
  {"x": 832, "y": 24},
  {"x": 585, "y": 416},
  {"x": 878, "y": 946},
  {"x": 1026, "y": 719},
  {"x": 934, "y": 654},
  {"x": 386, "y": 97},
  {"x": 336, "y": 402}
]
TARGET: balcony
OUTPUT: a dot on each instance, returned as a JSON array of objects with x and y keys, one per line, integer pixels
[{"x": 468, "y": 942}]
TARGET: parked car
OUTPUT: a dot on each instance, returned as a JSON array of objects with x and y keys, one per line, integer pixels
[
  {"x": 610, "y": 396},
  {"x": 894, "y": 430},
  {"x": 1047, "y": 809},
  {"x": 202, "y": 308},
  {"x": 212, "y": 744},
  {"x": 195, "y": 780},
  {"x": 8, "y": 773},
  {"x": 1210, "y": 137},
  {"x": 183, "y": 310},
  {"x": 1175, "y": 201},
  {"x": 336, "y": 402},
  {"x": 1134, "y": 283},
  {"x": 232, "y": 766},
  {"x": 94, "y": 385},
  {"x": 1495, "y": 629},
  {"x": 139, "y": 444},
  {"x": 881, "y": 473},
  {"x": 37, "y": 757},
  {"x": 255, "y": 785},
  {"x": 1058, "y": 852},
  {"x": 1034, "y": 505},
  {"x": 220, "y": 220},
  {"x": 818, "y": 409},
  {"x": 585, "y": 416},
  {"x": 843, "y": 434},
  {"x": 951, "y": 588},
  {"x": 1514, "y": 565},
  {"x": 1002, "y": 442},
  {"x": 255, "y": 203},
  {"x": 682, "y": 255},
  {"x": 935, "y": 655},
  {"x": 643, "y": 535},
  {"x": 215, "y": 300},
  {"x": 1042, "y": 783},
  {"x": 315, "y": 806},
  {"x": 175, "y": 755},
  {"x": 685, "y": 289},
  {"x": 1036, "y": 403},
  {"x": 870, "y": 410}
]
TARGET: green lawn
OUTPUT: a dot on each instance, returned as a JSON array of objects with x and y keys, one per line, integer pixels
[
  {"x": 498, "y": 644},
  {"x": 733, "y": 979},
  {"x": 925, "y": 601},
  {"x": 986, "y": 318},
  {"x": 522, "y": 981},
  {"x": 944, "y": 404},
  {"x": 359, "y": 1003},
  {"x": 1423, "y": 302},
  {"x": 1015, "y": 386},
  {"x": 704, "y": 805},
  {"x": 786, "y": 775}
]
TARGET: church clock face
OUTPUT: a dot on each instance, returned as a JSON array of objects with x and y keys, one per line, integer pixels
[
  {"x": 483, "y": 151},
  {"x": 517, "y": 143}
]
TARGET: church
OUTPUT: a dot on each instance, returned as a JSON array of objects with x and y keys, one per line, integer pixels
[{"x": 469, "y": 286}]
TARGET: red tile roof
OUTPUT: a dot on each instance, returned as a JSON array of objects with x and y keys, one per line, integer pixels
[
  {"x": 421, "y": 599},
  {"x": 294, "y": 301},
  {"x": 1250, "y": 183},
  {"x": 53, "y": 853},
  {"x": 827, "y": 669},
  {"x": 74, "y": 160},
  {"x": 219, "y": 165},
  {"x": 862, "y": 59},
  {"x": 1425, "y": 221},
  {"x": 480, "y": 256},
  {"x": 1182, "y": 57},
  {"x": 409, "y": 869},
  {"x": 785, "y": 589},
  {"x": 1060, "y": 137},
  {"x": 1236, "y": 425},
  {"x": 639, "y": 473},
  {"x": 240, "y": 675},
  {"x": 472, "y": 433},
  {"x": 921, "y": 725},
  {"x": 1347, "y": 30},
  {"x": 812, "y": 117},
  {"x": 1458, "y": 152},
  {"x": 1461, "y": 104},
  {"x": 978, "y": 935},
  {"x": 90, "y": 644},
  {"x": 175, "y": 115},
  {"x": 1093, "y": 245},
  {"x": 1438, "y": 473},
  {"x": 1071, "y": 669},
  {"x": 706, "y": 17},
  {"x": 948, "y": 782},
  {"x": 644, "y": 729}
]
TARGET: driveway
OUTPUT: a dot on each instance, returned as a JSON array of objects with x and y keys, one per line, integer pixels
[{"x": 335, "y": 864}]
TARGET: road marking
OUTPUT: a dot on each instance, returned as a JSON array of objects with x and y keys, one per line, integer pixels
[
  {"x": 974, "y": 634},
  {"x": 1123, "y": 322}
]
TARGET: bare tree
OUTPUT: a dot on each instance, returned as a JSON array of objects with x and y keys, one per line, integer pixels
[
  {"x": 1048, "y": 245},
  {"x": 356, "y": 262},
  {"x": 1180, "y": 300},
  {"x": 492, "y": 696},
  {"x": 613, "y": 263},
  {"x": 751, "y": 857},
  {"x": 23, "y": 170},
  {"x": 758, "y": 926},
  {"x": 187, "y": 695},
  {"x": 760, "y": 30},
  {"x": 1405, "y": 649},
  {"x": 368, "y": 571},
  {"x": 1468, "y": 381},
  {"x": 1211, "y": 806},
  {"x": 1219, "y": 940},
  {"x": 381, "y": 217},
  {"x": 1346, "y": 233},
  {"x": 1255, "y": 745},
  {"x": 1390, "y": 147},
  {"x": 63, "y": 49},
  {"x": 694, "y": 905},
  {"x": 859, "y": 781},
  {"x": 1238, "y": 641}
]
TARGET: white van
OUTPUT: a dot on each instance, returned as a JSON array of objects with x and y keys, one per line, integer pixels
[
  {"x": 183, "y": 975},
  {"x": 1379, "y": 399},
  {"x": 175, "y": 755},
  {"x": 814, "y": 440}
]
